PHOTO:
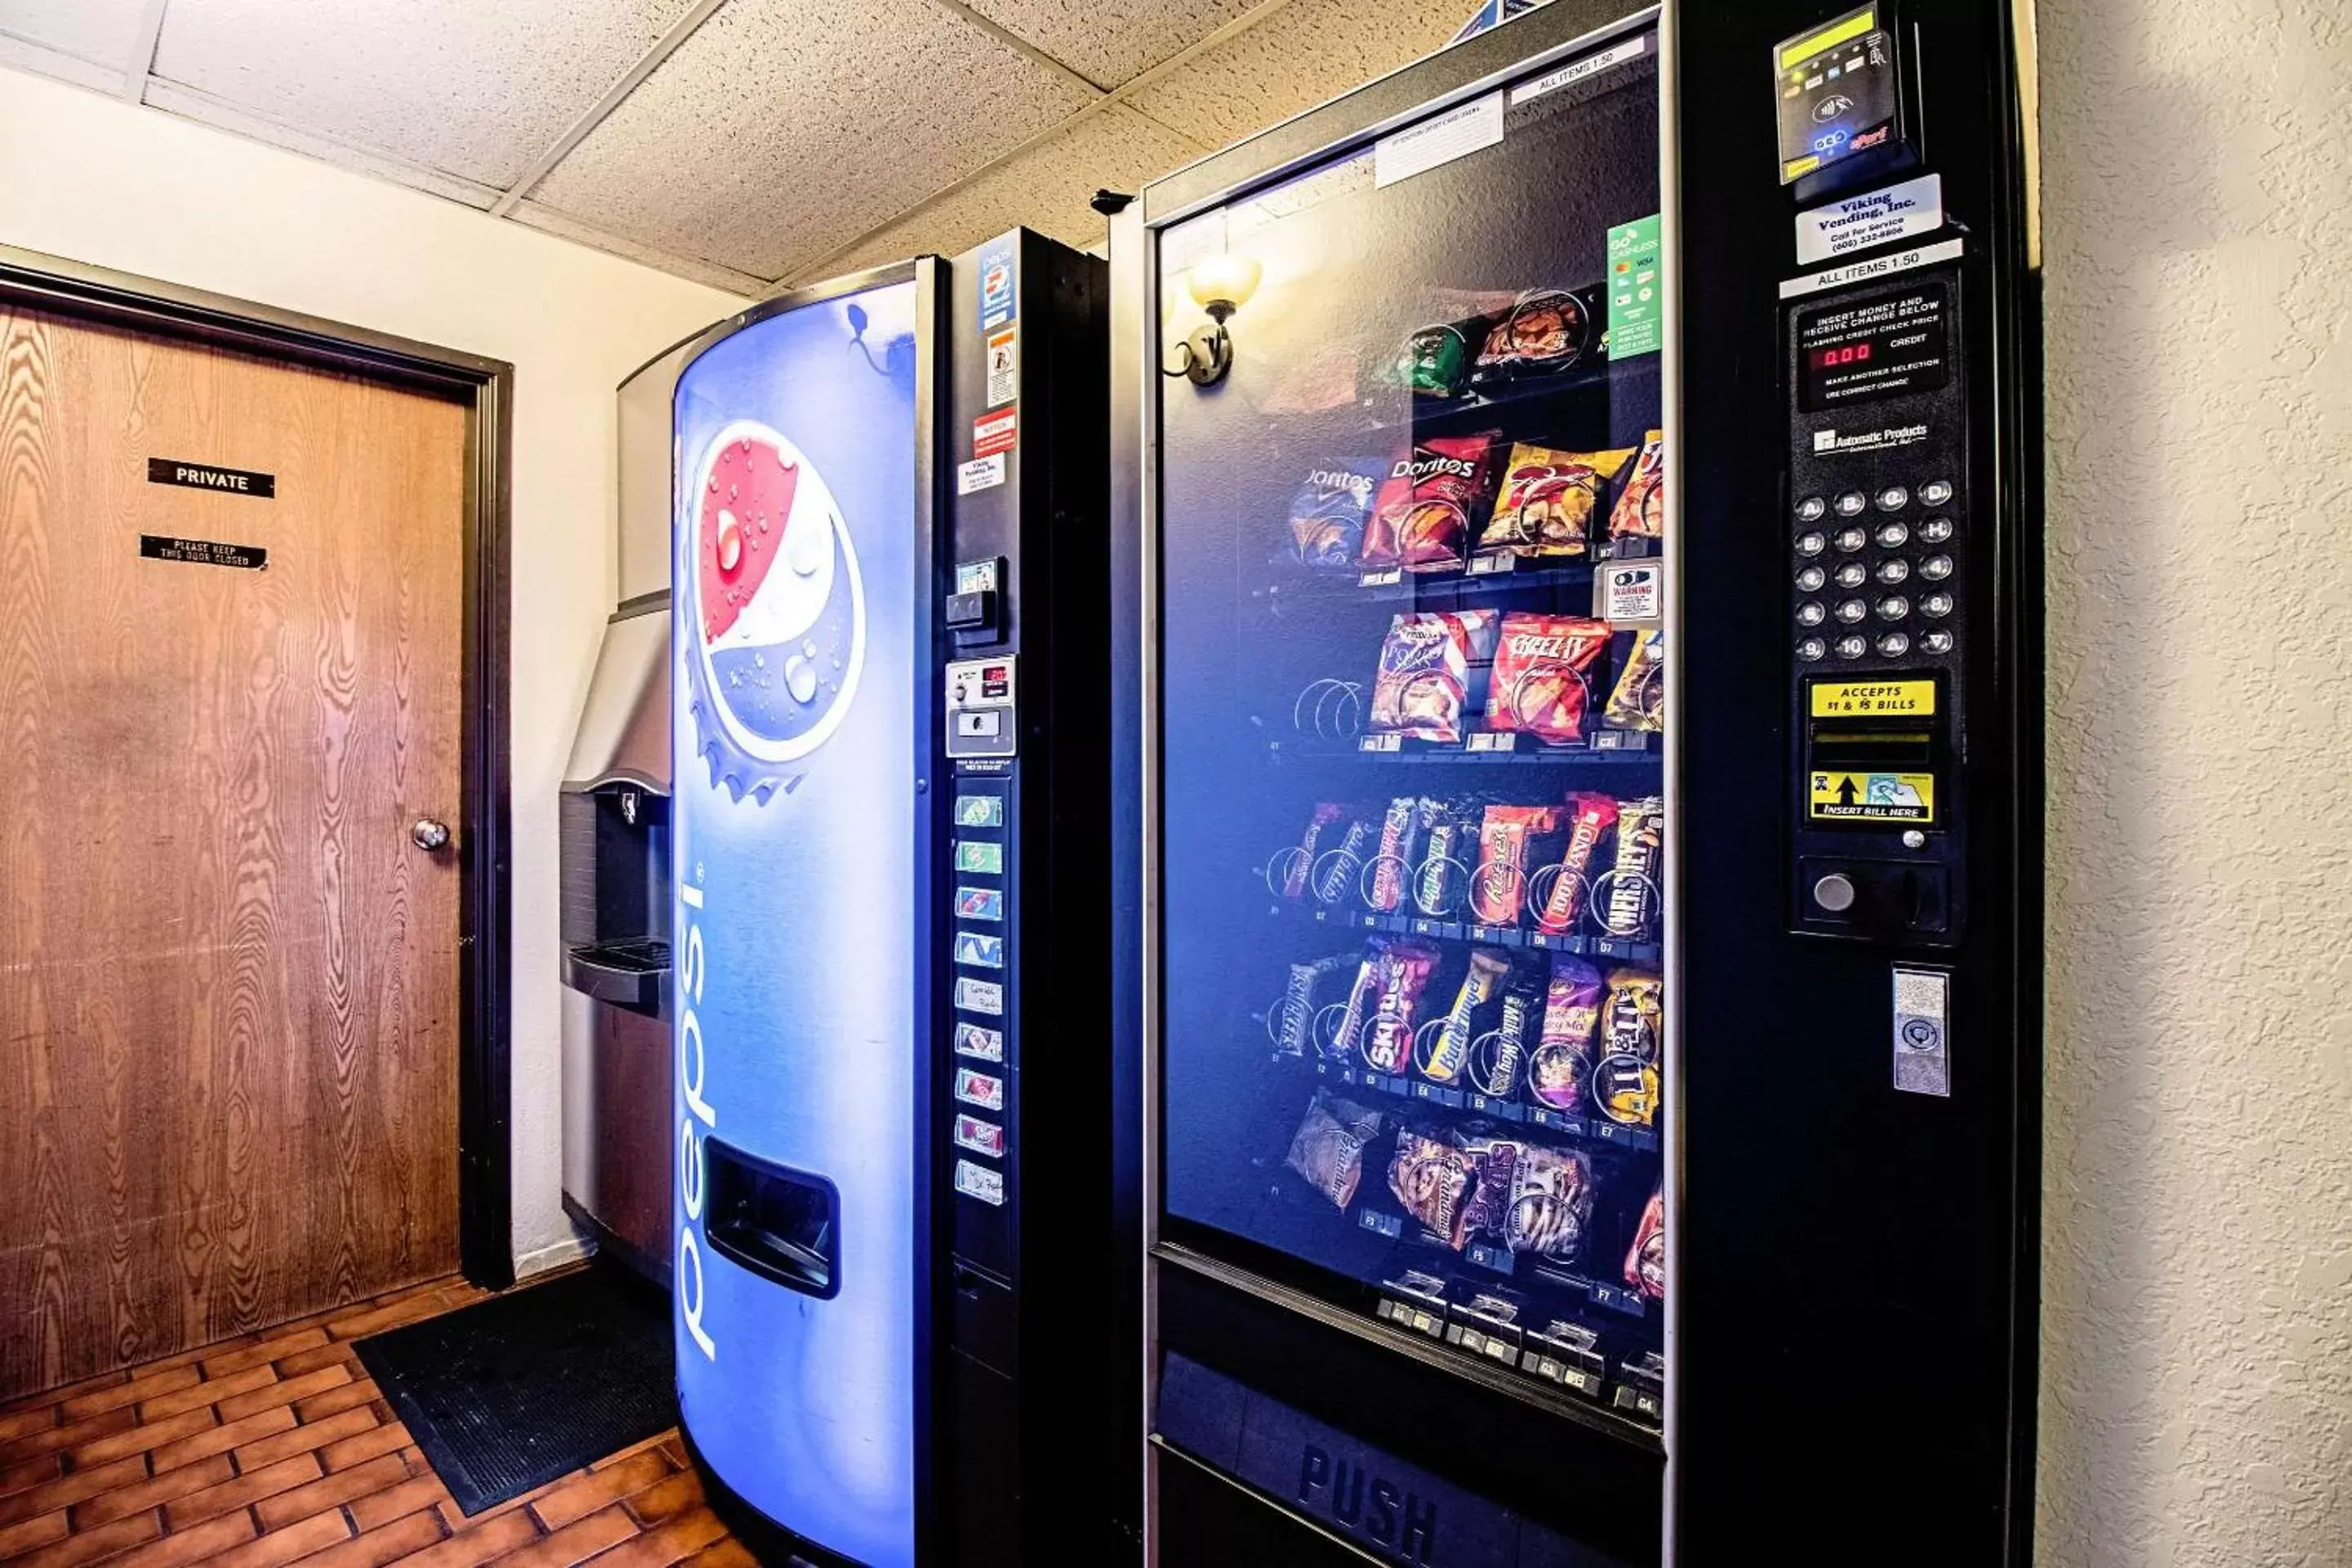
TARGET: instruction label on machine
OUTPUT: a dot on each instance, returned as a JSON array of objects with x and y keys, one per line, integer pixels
[
  {"x": 1872, "y": 699},
  {"x": 1839, "y": 796}
]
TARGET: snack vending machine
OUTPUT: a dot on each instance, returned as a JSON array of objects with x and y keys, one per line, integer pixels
[
  {"x": 1583, "y": 688},
  {"x": 899, "y": 1198}
]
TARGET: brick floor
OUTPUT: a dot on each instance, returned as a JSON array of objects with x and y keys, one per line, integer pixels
[{"x": 277, "y": 1448}]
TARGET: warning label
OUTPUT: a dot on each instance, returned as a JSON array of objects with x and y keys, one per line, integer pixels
[{"x": 1873, "y": 798}]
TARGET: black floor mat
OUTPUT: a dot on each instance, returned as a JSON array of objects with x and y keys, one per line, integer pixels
[{"x": 510, "y": 1392}]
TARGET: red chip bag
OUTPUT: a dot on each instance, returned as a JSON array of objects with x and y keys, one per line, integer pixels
[
  {"x": 1645, "y": 1260},
  {"x": 1640, "y": 510},
  {"x": 1423, "y": 516},
  {"x": 1542, "y": 683}
]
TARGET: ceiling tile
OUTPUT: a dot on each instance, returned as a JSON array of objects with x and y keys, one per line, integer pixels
[
  {"x": 205, "y": 109},
  {"x": 51, "y": 62},
  {"x": 479, "y": 89},
  {"x": 548, "y": 221},
  {"x": 1047, "y": 188},
  {"x": 785, "y": 127},
  {"x": 1306, "y": 53},
  {"x": 102, "y": 31},
  {"x": 1111, "y": 41}
]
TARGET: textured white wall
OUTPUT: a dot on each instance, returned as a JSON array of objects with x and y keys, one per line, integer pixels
[
  {"x": 98, "y": 181},
  {"x": 2197, "y": 1324}
]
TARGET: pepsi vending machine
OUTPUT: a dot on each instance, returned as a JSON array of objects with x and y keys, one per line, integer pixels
[
  {"x": 1585, "y": 673},
  {"x": 898, "y": 1187}
]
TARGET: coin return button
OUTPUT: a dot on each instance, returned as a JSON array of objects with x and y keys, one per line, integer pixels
[{"x": 986, "y": 724}]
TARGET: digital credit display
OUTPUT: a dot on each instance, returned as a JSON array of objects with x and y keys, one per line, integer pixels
[{"x": 1885, "y": 347}]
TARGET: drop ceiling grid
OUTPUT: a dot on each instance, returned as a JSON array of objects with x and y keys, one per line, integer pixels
[
  {"x": 785, "y": 127},
  {"x": 96, "y": 32},
  {"x": 1047, "y": 188},
  {"x": 783, "y": 139},
  {"x": 478, "y": 91}
]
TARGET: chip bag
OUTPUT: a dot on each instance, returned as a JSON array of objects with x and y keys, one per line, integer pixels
[{"x": 1542, "y": 680}]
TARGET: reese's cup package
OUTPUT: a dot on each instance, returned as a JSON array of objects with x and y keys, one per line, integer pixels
[{"x": 1509, "y": 841}]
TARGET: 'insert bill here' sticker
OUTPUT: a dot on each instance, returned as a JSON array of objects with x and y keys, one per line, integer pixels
[{"x": 1843, "y": 796}]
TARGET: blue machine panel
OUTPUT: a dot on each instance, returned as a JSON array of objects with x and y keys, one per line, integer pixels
[{"x": 801, "y": 581}]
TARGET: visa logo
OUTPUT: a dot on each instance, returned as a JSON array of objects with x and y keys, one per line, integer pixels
[{"x": 1367, "y": 1506}]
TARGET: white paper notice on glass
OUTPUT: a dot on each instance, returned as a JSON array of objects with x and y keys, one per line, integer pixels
[{"x": 1452, "y": 135}]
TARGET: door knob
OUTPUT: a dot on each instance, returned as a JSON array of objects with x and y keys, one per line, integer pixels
[{"x": 429, "y": 834}]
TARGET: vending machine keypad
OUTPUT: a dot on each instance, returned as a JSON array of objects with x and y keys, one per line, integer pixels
[{"x": 1877, "y": 616}]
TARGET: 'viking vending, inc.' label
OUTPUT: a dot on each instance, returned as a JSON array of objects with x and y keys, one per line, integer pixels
[{"x": 1859, "y": 223}]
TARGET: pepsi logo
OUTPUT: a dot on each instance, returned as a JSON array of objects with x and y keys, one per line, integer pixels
[{"x": 778, "y": 605}]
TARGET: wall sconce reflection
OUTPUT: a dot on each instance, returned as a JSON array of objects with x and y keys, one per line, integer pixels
[{"x": 1221, "y": 286}]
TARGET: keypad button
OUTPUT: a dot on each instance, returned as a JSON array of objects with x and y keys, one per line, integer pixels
[
  {"x": 1892, "y": 536},
  {"x": 1935, "y": 492},
  {"x": 1937, "y": 604},
  {"x": 1894, "y": 570},
  {"x": 1851, "y": 539},
  {"x": 1853, "y": 575},
  {"x": 1894, "y": 645},
  {"x": 1936, "y": 642},
  {"x": 1810, "y": 613},
  {"x": 1935, "y": 567},
  {"x": 1894, "y": 607},
  {"x": 1852, "y": 648},
  {"x": 1853, "y": 504},
  {"x": 1811, "y": 543},
  {"x": 1893, "y": 498},
  {"x": 1811, "y": 578},
  {"x": 1852, "y": 611},
  {"x": 1936, "y": 530},
  {"x": 1811, "y": 649},
  {"x": 1812, "y": 509}
]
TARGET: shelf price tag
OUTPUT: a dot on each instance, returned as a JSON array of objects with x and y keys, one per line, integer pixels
[{"x": 1380, "y": 743}]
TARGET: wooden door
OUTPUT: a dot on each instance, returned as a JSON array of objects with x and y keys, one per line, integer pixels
[{"x": 228, "y": 979}]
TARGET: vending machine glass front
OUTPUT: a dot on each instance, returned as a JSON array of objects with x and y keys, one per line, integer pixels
[{"x": 1413, "y": 720}]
